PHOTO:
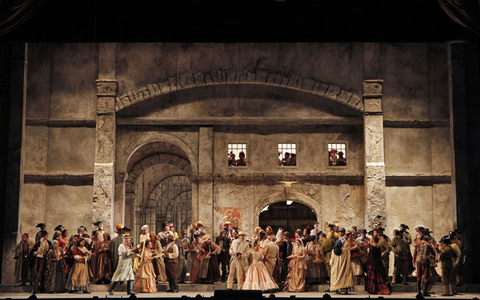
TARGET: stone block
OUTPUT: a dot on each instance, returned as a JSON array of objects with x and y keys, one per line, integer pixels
[
  {"x": 356, "y": 101},
  {"x": 231, "y": 76},
  {"x": 106, "y": 104},
  {"x": 292, "y": 82},
  {"x": 208, "y": 79},
  {"x": 205, "y": 142},
  {"x": 285, "y": 81},
  {"x": 271, "y": 78},
  {"x": 164, "y": 87},
  {"x": 344, "y": 97},
  {"x": 372, "y": 88},
  {"x": 173, "y": 84},
  {"x": 105, "y": 139},
  {"x": 261, "y": 76},
  {"x": 332, "y": 92},
  {"x": 106, "y": 88},
  {"x": 308, "y": 85},
  {"x": 278, "y": 79},
  {"x": 36, "y": 149},
  {"x": 373, "y": 133},
  {"x": 103, "y": 195},
  {"x": 154, "y": 90},
  {"x": 250, "y": 77},
  {"x": 186, "y": 80},
  {"x": 319, "y": 88},
  {"x": 373, "y": 105},
  {"x": 214, "y": 75},
  {"x": 199, "y": 79},
  {"x": 220, "y": 76}
]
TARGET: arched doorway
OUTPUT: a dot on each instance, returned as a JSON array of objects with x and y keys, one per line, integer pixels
[{"x": 288, "y": 215}]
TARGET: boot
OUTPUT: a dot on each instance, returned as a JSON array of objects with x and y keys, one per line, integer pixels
[
  {"x": 419, "y": 287},
  {"x": 453, "y": 290},
  {"x": 404, "y": 280},
  {"x": 130, "y": 288},
  {"x": 170, "y": 290},
  {"x": 175, "y": 286},
  {"x": 447, "y": 290},
  {"x": 112, "y": 287},
  {"x": 425, "y": 289}
]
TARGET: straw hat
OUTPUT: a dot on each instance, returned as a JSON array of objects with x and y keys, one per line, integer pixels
[
  {"x": 242, "y": 233},
  {"x": 205, "y": 238}
]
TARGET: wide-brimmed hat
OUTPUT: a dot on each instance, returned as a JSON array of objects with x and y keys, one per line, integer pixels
[
  {"x": 205, "y": 238},
  {"x": 127, "y": 236},
  {"x": 227, "y": 223},
  {"x": 125, "y": 228},
  {"x": 200, "y": 223},
  {"x": 40, "y": 225},
  {"x": 404, "y": 226},
  {"x": 242, "y": 233},
  {"x": 341, "y": 230}
]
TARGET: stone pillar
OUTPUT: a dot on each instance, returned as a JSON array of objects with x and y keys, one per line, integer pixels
[
  {"x": 104, "y": 170},
  {"x": 205, "y": 183},
  {"x": 374, "y": 187}
]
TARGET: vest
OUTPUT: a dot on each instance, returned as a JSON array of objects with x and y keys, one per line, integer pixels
[{"x": 170, "y": 250}]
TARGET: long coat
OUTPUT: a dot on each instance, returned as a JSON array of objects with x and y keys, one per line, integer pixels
[{"x": 116, "y": 242}]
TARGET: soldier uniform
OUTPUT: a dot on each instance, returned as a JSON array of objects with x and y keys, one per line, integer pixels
[
  {"x": 401, "y": 249},
  {"x": 446, "y": 255}
]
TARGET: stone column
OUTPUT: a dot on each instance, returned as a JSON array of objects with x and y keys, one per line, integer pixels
[
  {"x": 104, "y": 170},
  {"x": 205, "y": 178},
  {"x": 374, "y": 187}
]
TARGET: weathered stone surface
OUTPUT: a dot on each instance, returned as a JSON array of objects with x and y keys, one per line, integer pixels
[
  {"x": 187, "y": 81},
  {"x": 292, "y": 82},
  {"x": 332, "y": 92},
  {"x": 250, "y": 77},
  {"x": 441, "y": 151},
  {"x": 106, "y": 104},
  {"x": 320, "y": 88},
  {"x": 373, "y": 105},
  {"x": 164, "y": 87},
  {"x": 231, "y": 76},
  {"x": 261, "y": 76},
  {"x": 372, "y": 87},
  {"x": 199, "y": 79},
  {"x": 106, "y": 88},
  {"x": 374, "y": 146},
  {"x": 105, "y": 139},
  {"x": 103, "y": 194},
  {"x": 173, "y": 84},
  {"x": 308, "y": 85},
  {"x": 271, "y": 78},
  {"x": 344, "y": 97},
  {"x": 205, "y": 142},
  {"x": 36, "y": 150}
]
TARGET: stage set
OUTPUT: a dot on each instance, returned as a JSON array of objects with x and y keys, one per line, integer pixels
[{"x": 136, "y": 133}]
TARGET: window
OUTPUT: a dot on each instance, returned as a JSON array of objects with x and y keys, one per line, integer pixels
[
  {"x": 287, "y": 154},
  {"x": 337, "y": 155},
  {"x": 237, "y": 155}
]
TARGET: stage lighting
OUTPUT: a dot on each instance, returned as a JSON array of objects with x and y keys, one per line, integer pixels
[
  {"x": 327, "y": 296},
  {"x": 132, "y": 296},
  {"x": 33, "y": 297},
  {"x": 271, "y": 296}
]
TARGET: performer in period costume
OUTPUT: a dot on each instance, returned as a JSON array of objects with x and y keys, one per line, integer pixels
[
  {"x": 38, "y": 255},
  {"x": 327, "y": 246},
  {"x": 375, "y": 282},
  {"x": 401, "y": 249},
  {"x": 456, "y": 260},
  {"x": 159, "y": 260},
  {"x": 356, "y": 255},
  {"x": 116, "y": 242},
  {"x": 285, "y": 250},
  {"x": 80, "y": 276},
  {"x": 42, "y": 227},
  {"x": 270, "y": 253},
  {"x": 209, "y": 270},
  {"x": 258, "y": 277},
  {"x": 313, "y": 269},
  {"x": 162, "y": 235},
  {"x": 319, "y": 260},
  {"x": 124, "y": 271},
  {"x": 421, "y": 257},
  {"x": 143, "y": 237},
  {"x": 341, "y": 280},
  {"x": 99, "y": 227},
  {"x": 183, "y": 244},
  {"x": 407, "y": 237},
  {"x": 446, "y": 256},
  {"x": 238, "y": 267},
  {"x": 195, "y": 260},
  {"x": 461, "y": 245},
  {"x": 55, "y": 276},
  {"x": 63, "y": 240},
  {"x": 22, "y": 255},
  {"x": 145, "y": 280},
  {"x": 297, "y": 267},
  {"x": 171, "y": 263},
  {"x": 94, "y": 249},
  {"x": 104, "y": 261},
  {"x": 385, "y": 247}
]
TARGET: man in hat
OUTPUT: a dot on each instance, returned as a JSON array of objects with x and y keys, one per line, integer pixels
[
  {"x": 171, "y": 227},
  {"x": 99, "y": 227},
  {"x": 39, "y": 255},
  {"x": 270, "y": 253},
  {"x": 446, "y": 256},
  {"x": 421, "y": 258},
  {"x": 183, "y": 244},
  {"x": 407, "y": 237},
  {"x": 223, "y": 241},
  {"x": 171, "y": 263},
  {"x": 115, "y": 244},
  {"x": 455, "y": 244},
  {"x": 455, "y": 238},
  {"x": 124, "y": 270},
  {"x": 42, "y": 227},
  {"x": 400, "y": 248},
  {"x": 238, "y": 268},
  {"x": 163, "y": 234}
]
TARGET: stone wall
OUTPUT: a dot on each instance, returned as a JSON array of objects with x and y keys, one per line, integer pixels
[{"x": 311, "y": 108}]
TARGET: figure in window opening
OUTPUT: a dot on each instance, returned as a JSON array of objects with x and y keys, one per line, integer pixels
[
  {"x": 231, "y": 159},
  {"x": 341, "y": 161},
  {"x": 242, "y": 161}
]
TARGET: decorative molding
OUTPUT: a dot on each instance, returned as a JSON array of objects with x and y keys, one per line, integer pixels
[{"x": 233, "y": 77}]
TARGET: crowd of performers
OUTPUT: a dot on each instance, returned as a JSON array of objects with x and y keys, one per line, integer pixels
[{"x": 338, "y": 257}]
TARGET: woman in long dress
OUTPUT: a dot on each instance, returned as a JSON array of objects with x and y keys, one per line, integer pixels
[
  {"x": 22, "y": 269},
  {"x": 297, "y": 269},
  {"x": 80, "y": 271},
  {"x": 55, "y": 272},
  {"x": 104, "y": 261},
  {"x": 375, "y": 282},
  {"x": 258, "y": 277},
  {"x": 356, "y": 255},
  {"x": 145, "y": 280},
  {"x": 209, "y": 269},
  {"x": 158, "y": 262},
  {"x": 313, "y": 269},
  {"x": 94, "y": 246},
  {"x": 341, "y": 280}
]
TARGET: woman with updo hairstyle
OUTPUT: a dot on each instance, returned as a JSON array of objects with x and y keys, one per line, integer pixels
[
  {"x": 158, "y": 262},
  {"x": 145, "y": 280}
]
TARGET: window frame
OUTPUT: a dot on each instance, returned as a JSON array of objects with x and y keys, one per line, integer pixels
[
  {"x": 246, "y": 151},
  {"x": 296, "y": 153},
  {"x": 346, "y": 150}
]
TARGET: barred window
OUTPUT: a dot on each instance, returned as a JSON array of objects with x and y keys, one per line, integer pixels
[
  {"x": 287, "y": 154},
  {"x": 237, "y": 155},
  {"x": 337, "y": 154}
]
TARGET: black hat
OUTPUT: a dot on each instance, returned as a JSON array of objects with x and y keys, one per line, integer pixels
[
  {"x": 84, "y": 228},
  {"x": 404, "y": 226},
  {"x": 341, "y": 230},
  {"x": 97, "y": 223},
  {"x": 40, "y": 225},
  {"x": 331, "y": 225},
  {"x": 58, "y": 227},
  {"x": 458, "y": 231},
  {"x": 446, "y": 240},
  {"x": 452, "y": 234},
  {"x": 125, "y": 228},
  {"x": 44, "y": 233},
  {"x": 370, "y": 232}
]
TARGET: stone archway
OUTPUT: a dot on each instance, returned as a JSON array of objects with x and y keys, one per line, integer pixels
[{"x": 293, "y": 196}]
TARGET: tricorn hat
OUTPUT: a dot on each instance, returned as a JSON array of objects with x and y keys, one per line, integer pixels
[
  {"x": 125, "y": 228},
  {"x": 58, "y": 227},
  {"x": 404, "y": 226},
  {"x": 446, "y": 240},
  {"x": 40, "y": 225},
  {"x": 341, "y": 230}
]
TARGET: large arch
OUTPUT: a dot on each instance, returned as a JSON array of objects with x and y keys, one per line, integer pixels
[
  {"x": 233, "y": 77},
  {"x": 292, "y": 196}
]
